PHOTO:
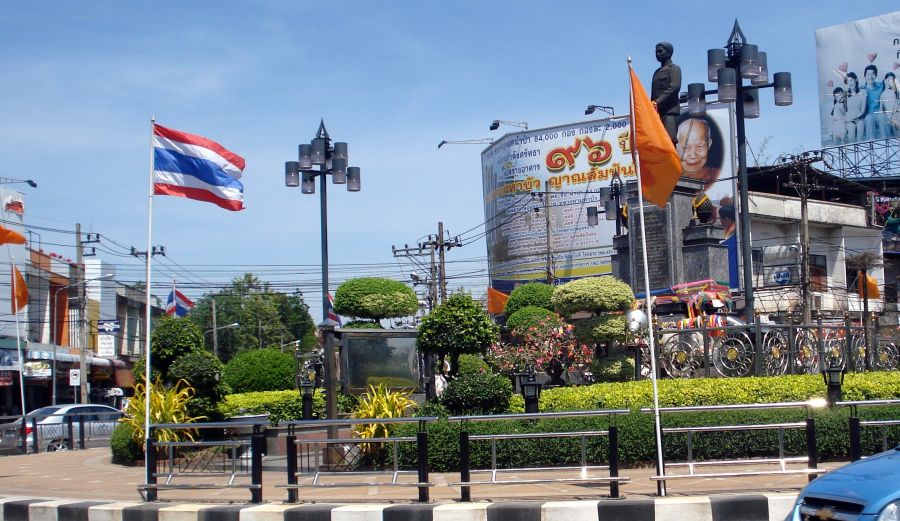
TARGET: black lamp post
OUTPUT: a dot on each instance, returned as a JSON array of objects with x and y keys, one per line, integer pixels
[
  {"x": 729, "y": 66},
  {"x": 308, "y": 389},
  {"x": 834, "y": 379},
  {"x": 331, "y": 158},
  {"x": 531, "y": 390}
]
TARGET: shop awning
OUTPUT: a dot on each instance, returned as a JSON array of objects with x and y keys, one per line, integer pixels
[{"x": 66, "y": 357}]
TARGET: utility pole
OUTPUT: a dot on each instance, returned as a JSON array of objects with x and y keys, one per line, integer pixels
[
  {"x": 804, "y": 189},
  {"x": 440, "y": 246},
  {"x": 215, "y": 334},
  {"x": 424, "y": 249},
  {"x": 82, "y": 308}
]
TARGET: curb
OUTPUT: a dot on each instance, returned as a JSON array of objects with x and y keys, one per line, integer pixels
[{"x": 743, "y": 507}]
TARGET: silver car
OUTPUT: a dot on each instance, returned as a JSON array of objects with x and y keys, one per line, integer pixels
[{"x": 53, "y": 425}]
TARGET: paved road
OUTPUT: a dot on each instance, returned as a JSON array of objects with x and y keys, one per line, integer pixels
[{"x": 89, "y": 475}]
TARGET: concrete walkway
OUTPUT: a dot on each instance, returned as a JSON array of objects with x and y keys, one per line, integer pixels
[{"x": 89, "y": 475}]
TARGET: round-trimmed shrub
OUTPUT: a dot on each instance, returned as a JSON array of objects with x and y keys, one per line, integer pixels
[
  {"x": 469, "y": 364},
  {"x": 260, "y": 370},
  {"x": 592, "y": 294},
  {"x": 125, "y": 451},
  {"x": 375, "y": 298},
  {"x": 532, "y": 316},
  {"x": 618, "y": 368},
  {"x": 600, "y": 330},
  {"x": 362, "y": 324},
  {"x": 531, "y": 294},
  {"x": 477, "y": 393}
]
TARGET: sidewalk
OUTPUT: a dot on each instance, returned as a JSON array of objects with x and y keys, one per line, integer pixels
[{"x": 89, "y": 475}]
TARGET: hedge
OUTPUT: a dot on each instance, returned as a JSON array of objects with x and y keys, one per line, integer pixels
[
  {"x": 279, "y": 405},
  {"x": 636, "y": 429}
]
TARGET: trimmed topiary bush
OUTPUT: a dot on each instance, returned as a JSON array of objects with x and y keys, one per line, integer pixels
[
  {"x": 617, "y": 368},
  {"x": 260, "y": 370},
  {"x": 279, "y": 405},
  {"x": 535, "y": 294},
  {"x": 597, "y": 294},
  {"x": 469, "y": 364},
  {"x": 375, "y": 298},
  {"x": 600, "y": 330},
  {"x": 204, "y": 372},
  {"x": 458, "y": 326},
  {"x": 362, "y": 324},
  {"x": 477, "y": 393},
  {"x": 532, "y": 316},
  {"x": 125, "y": 451}
]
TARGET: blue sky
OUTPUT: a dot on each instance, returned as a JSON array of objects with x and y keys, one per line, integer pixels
[{"x": 393, "y": 79}]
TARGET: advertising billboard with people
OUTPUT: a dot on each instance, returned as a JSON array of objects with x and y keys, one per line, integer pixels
[
  {"x": 857, "y": 82},
  {"x": 568, "y": 169}
]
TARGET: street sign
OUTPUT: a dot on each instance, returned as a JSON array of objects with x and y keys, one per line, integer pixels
[
  {"x": 74, "y": 377},
  {"x": 108, "y": 327},
  {"x": 106, "y": 345}
]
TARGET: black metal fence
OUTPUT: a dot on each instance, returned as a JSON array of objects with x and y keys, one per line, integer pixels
[
  {"x": 50, "y": 432},
  {"x": 768, "y": 349}
]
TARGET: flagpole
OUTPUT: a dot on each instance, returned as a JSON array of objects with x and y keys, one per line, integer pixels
[
  {"x": 147, "y": 319},
  {"x": 661, "y": 484},
  {"x": 12, "y": 273}
]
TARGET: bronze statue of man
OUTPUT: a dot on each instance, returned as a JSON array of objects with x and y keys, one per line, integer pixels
[{"x": 665, "y": 88}]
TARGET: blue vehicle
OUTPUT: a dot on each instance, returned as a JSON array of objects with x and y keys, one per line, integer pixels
[{"x": 868, "y": 489}]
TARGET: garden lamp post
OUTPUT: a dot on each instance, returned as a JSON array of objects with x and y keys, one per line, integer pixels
[
  {"x": 331, "y": 158},
  {"x": 531, "y": 390},
  {"x": 729, "y": 67}
]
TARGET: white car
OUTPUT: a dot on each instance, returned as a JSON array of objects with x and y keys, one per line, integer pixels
[{"x": 53, "y": 425}]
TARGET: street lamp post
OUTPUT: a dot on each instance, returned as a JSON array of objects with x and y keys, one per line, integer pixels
[
  {"x": 215, "y": 336},
  {"x": 729, "y": 66},
  {"x": 331, "y": 160},
  {"x": 54, "y": 333}
]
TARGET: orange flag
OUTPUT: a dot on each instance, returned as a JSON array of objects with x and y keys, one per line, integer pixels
[
  {"x": 8, "y": 236},
  {"x": 872, "y": 290},
  {"x": 496, "y": 301},
  {"x": 660, "y": 167},
  {"x": 19, "y": 291}
]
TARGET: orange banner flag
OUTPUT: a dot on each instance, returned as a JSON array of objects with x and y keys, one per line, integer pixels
[
  {"x": 8, "y": 236},
  {"x": 660, "y": 167},
  {"x": 871, "y": 290},
  {"x": 19, "y": 295},
  {"x": 496, "y": 301}
]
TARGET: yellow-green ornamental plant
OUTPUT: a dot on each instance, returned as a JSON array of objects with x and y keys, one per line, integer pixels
[
  {"x": 166, "y": 406},
  {"x": 380, "y": 402}
]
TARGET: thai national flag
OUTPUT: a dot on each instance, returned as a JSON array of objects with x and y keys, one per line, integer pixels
[
  {"x": 178, "y": 305},
  {"x": 186, "y": 165},
  {"x": 331, "y": 314}
]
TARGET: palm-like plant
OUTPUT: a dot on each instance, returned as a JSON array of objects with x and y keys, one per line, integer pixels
[
  {"x": 166, "y": 406},
  {"x": 380, "y": 402}
]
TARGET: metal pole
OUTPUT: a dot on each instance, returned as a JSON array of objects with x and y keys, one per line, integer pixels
[
  {"x": 549, "y": 232},
  {"x": 323, "y": 204},
  {"x": 443, "y": 269},
  {"x": 746, "y": 248},
  {"x": 215, "y": 332}
]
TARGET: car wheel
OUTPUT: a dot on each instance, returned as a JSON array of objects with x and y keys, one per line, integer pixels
[{"x": 56, "y": 445}]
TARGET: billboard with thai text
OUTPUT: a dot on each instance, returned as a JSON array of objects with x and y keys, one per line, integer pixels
[
  {"x": 857, "y": 81},
  {"x": 568, "y": 169}
]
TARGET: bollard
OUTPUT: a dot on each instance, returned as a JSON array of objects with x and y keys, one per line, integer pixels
[
  {"x": 81, "y": 432},
  {"x": 422, "y": 444},
  {"x": 71, "y": 432},
  {"x": 614, "y": 460},
  {"x": 291, "y": 445},
  {"x": 464, "y": 474},
  {"x": 812, "y": 451},
  {"x": 855, "y": 449},
  {"x": 35, "y": 439},
  {"x": 150, "y": 471},
  {"x": 257, "y": 446}
]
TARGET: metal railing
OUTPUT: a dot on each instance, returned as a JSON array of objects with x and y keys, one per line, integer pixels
[
  {"x": 237, "y": 456},
  {"x": 769, "y": 349},
  {"x": 782, "y": 461},
  {"x": 311, "y": 458},
  {"x": 855, "y": 424},
  {"x": 612, "y": 479}
]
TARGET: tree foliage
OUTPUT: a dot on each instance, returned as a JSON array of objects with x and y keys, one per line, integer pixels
[
  {"x": 203, "y": 371},
  {"x": 260, "y": 370},
  {"x": 375, "y": 298},
  {"x": 266, "y": 317},
  {"x": 172, "y": 338},
  {"x": 531, "y": 294},
  {"x": 458, "y": 326},
  {"x": 597, "y": 294},
  {"x": 601, "y": 329}
]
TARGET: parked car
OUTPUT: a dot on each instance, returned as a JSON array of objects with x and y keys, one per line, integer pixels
[
  {"x": 53, "y": 425},
  {"x": 865, "y": 490}
]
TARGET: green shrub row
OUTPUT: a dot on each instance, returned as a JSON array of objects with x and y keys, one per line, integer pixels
[
  {"x": 636, "y": 429},
  {"x": 279, "y": 405}
]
